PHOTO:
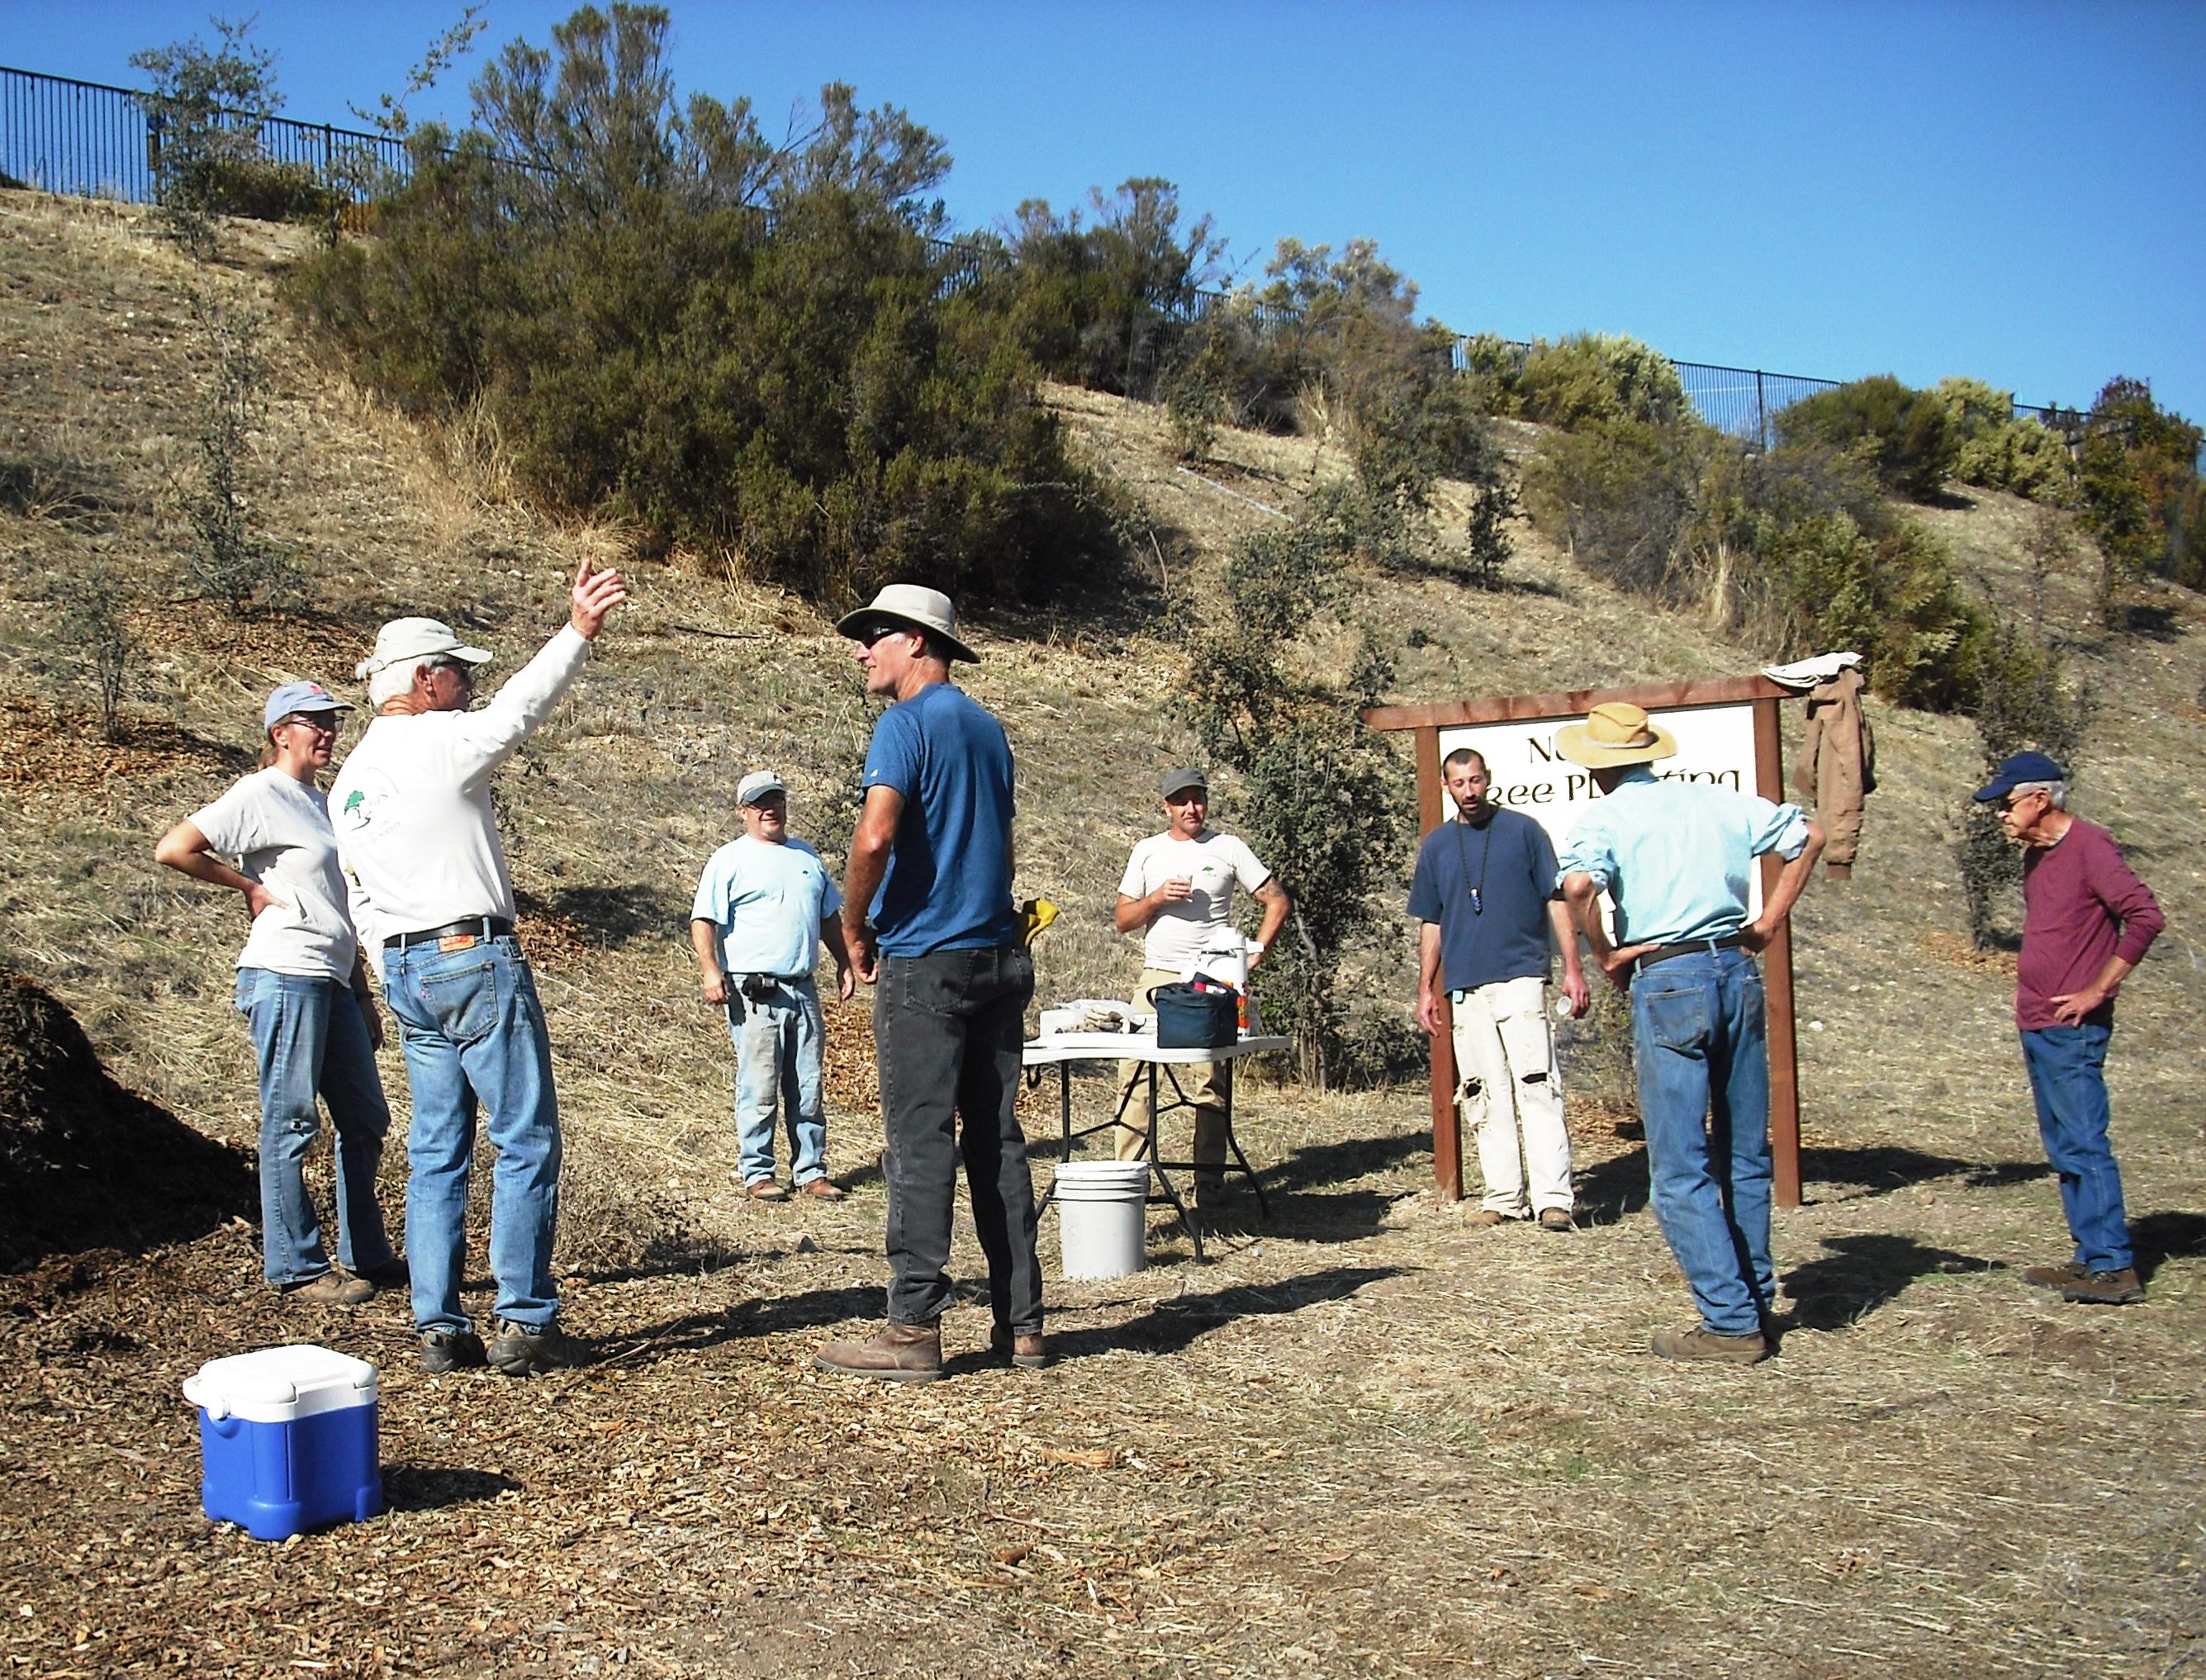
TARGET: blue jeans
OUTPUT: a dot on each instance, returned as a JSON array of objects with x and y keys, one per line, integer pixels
[
  {"x": 1701, "y": 1042},
  {"x": 948, "y": 1029},
  {"x": 778, "y": 1046},
  {"x": 472, "y": 1030},
  {"x": 2067, "y": 1076},
  {"x": 310, "y": 1037}
]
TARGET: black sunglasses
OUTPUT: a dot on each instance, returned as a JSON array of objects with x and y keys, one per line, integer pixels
[{"x": 871, "y": 634}]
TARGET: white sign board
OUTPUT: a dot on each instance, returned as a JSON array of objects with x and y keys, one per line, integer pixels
[{"x": 1716, "y": 743}]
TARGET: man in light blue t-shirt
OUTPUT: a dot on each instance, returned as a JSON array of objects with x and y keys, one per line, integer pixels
[
  {"x": 926, "y": 910},
  {"x": 764, "y": 904}
]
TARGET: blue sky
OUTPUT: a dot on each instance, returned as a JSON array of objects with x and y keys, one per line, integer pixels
[{"x": 2012, "y": 191}]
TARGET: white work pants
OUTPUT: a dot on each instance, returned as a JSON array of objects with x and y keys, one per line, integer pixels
[{"x": 1505, "y": 1065}]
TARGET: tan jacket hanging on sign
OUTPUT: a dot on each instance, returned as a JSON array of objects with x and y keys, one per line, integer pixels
[{"x": 1838, "y": 765}]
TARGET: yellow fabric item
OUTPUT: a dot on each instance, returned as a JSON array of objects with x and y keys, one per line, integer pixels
[{"x": 1035, "y": 915}]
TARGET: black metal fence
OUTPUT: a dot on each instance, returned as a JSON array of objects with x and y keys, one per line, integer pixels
[
  {"x": 87, "y": 139},
  {"x": 90, "y": 140}
]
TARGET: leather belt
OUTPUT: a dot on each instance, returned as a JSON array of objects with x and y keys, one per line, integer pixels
[
  {"x": 474, "y": 927},
  {"x": 1691, "y": 948}
]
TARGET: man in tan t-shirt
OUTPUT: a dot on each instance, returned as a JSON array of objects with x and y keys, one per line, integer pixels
[{"x": 1178, "y": 891}]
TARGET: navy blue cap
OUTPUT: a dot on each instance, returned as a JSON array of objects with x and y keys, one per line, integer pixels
[{"x": 2016, "y": 770}]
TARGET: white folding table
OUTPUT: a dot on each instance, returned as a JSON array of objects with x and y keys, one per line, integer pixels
[{"x": 1062, "y": 1049}]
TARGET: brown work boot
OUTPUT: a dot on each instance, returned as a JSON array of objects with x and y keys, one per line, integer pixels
[
  {"x": 1701, "y": 1343},
  {"x": 902, "y": 1353},
  {"x": 2106, "y": 1289},
  {"x": 821, "y": 1189},
  {"x": 2056, "y": 1277},
  {"x": 1556, "y": 1219},
  {"x": 1485, "y": 1217},
  {"x": 331, "y": 1289},
  {"x": 1029, "y": 1353}
]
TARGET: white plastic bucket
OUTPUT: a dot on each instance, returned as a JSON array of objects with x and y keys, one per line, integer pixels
[{"x": 1102, "y": 1217}]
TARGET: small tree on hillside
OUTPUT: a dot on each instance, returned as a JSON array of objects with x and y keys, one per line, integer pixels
[
  {"x": 230, "y": 560},
  {"x": 1277, "y": 692},
  {"x": 2025, "y": 701},
  {"x": 206, "y": 105}
]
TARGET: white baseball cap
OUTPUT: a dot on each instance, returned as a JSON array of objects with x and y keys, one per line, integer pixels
[{"x": 404, "y": 639}]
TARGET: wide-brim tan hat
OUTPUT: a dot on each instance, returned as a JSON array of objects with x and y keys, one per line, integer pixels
[
  {"x": 1614, "y": 733},
  {"x": 912, "y": 603}
]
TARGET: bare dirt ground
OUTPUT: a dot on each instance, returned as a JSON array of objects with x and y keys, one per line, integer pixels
[{"x": 1363, "y": 1438}]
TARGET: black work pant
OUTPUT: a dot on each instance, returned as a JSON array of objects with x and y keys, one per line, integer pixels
[{"x": 948, "y": 1030}]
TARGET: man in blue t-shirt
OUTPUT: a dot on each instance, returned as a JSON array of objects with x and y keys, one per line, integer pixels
[
  {"x": 1485, "y": 894},
  {"x": 927, "y": 913},
  {"x": 764, "y": 905}
]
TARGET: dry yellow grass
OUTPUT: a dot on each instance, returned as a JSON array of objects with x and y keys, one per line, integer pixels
[{"x": 1364, "y": 1440}]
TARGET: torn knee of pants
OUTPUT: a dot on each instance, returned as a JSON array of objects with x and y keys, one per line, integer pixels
[
  {"x": 1470, "y": 1091},
  {"x": 1537, "y": 1077}
]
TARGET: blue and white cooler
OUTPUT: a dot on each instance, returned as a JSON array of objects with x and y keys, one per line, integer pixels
[{"x": 287, "y": 1439}]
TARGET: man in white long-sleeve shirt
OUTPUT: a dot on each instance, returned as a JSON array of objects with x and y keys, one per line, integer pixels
[{"x": 419, "y": 842}]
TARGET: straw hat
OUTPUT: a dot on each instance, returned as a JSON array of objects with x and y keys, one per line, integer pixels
[{"x": 1614, "y": 733}]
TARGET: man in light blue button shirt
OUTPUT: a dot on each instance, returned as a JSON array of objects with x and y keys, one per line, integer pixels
[{"x": 1673, "y": 856}]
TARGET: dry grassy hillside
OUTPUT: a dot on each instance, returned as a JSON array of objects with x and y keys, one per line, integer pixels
[{"x": 1363, "y": 1440}]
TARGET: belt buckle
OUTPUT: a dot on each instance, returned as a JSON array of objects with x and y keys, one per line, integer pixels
[{"x": 456, "y": 941}]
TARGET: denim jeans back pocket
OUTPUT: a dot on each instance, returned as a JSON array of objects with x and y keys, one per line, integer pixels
[
  {"x": 463, "y": 1002},
  {"x": 1676, "y": 1017}
]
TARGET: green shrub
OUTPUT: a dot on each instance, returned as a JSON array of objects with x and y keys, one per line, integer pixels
[
  {"x": 1277, "y": 687},
  {"x": 1908, "y": 436},
  {"x": 1826, "y": 584},
  {"x": 1578, "y": 381},
  {"x": 2023, "y": 699},
  {"x": 2138, "y": 490},
  {"x": 1797, "y": 548},
  {"x": 92, "y": 622},
  {"x": 1999, "y": 451},
  {"x": 1106, "y": 305},
  {"x": 230, "y": 560},
  {"x": 745, "y": 349},
  {"x": 1625, "y": 499},
  {"x": 204, "y": 109}
]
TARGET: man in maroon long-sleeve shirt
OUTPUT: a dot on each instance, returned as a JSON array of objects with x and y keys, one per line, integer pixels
[{"x": 2087, "y": 922}]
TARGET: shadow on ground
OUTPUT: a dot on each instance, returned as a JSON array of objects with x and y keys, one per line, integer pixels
[
  {"x": 2159, "y": 1238},
  {"x": 1170, "y": 1326},
  {"x": 1609, "y": 1190},
  {"x": 433, "y": 1487},
  {"x": 1859, "y": 1274}
]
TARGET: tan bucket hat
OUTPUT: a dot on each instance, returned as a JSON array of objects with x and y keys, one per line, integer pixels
[
  {"x": 912, "y": 603},
  {"x": 1614, "y": 733}
]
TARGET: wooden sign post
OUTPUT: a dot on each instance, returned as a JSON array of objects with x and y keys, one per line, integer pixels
[{"x": 1727, "y": 734}]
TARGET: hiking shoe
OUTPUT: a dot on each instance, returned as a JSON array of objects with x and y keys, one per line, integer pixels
[
  {"x": 902, "y": 1353},
  {"x": 826, "y": 1190},
  {"x": 1701, "y": 1343},
  {"x": 764, "y": 1189},
  {"x": 444, "y": 1350},
  {"x": 2056, "y": 1277},
  {"x": 393, "y": 1274},
  {"x": 2106, "y": 1289},
  {"x": 525, "y": 1350},
  {"x": 331, "y": 1289},
  {"x": 1029, "y": 1353},
  {"x": 1557, "y": 1219},
  {"x": 1485, "y": 1217}
]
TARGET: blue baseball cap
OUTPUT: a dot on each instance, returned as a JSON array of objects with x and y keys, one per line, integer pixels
[
  {"x": 299, "y": 697},
  {"x": 2015, "y": 770}
]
